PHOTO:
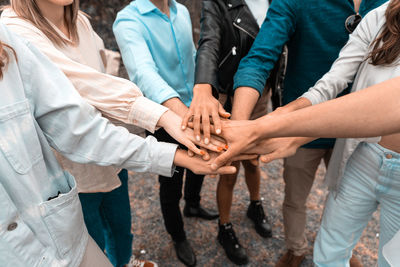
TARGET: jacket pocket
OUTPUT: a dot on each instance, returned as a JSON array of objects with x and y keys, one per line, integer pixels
[
  {"x": 20, "y": 246},
  {"x": 225, "y": 58},
  {"x": 18, "y": 137},
  {"x": 64, "y": 219}
]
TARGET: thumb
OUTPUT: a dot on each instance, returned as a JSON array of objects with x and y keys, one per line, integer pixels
[
  {"x": 270, "y": 157},
  {"x": 222, "y": 112},
  {"x": 223, "y": 158}
]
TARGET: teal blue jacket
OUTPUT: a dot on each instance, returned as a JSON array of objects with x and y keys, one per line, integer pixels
[{"x": 314, "y": 32}]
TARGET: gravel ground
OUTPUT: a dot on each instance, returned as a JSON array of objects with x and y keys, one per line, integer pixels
[{"x": 152, "y": 241}]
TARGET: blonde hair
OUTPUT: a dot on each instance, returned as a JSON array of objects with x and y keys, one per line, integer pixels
[
  {"x": 29, "y": 10},
  {"x": 5, "y": 57}
]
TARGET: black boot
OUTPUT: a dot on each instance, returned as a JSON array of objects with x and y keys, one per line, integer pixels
[
  {"x": 256, "y": 213},
  {"x": 196, "y": 210},
  {"x": 228, "y": 240},
  {"x": 185, "y": 253}
]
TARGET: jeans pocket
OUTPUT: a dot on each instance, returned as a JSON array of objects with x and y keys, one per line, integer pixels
[
  {"x": 19, "y": 141},
  {"x": 64, "y": 219}
]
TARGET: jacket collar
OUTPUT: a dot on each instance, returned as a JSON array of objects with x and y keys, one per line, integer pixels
[
  {"x": 146, "y": 6},
  {"x": 234, "y": 3}
]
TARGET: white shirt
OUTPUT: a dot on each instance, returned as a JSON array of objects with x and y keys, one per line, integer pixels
[{"x": 259, "y": 9}]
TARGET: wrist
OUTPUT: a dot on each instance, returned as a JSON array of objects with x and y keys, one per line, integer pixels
[{"x": 202, "y": 88}]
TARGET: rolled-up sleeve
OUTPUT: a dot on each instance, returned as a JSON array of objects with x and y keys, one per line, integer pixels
[
  {"x": 115, "y": 97},
  {"x": 138, "y": 60},
  {"x": 276, "y": 30}
]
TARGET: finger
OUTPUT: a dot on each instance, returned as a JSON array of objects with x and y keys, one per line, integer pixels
[
  {"x": 212, "y": 128},
  {"x": 217, "y": 123},
  {"x": 205, "y": 122},
  {"x": 186, "y": 118},
  {"x": 196, "y": 126},
  {"x": 223, "y": 158},
  {"x": 245, "y": 157},
  {"x": 212, "y": 176},
  {"x": 270, "y": 157},
  {"x": 222, "y": 112},
  {"x": 191, "y": 146},
  {"x": 254, "y": 162},
  {"x": 226, "y": 170},
  {"x": 190, "y": 153},
  {"x": 206, "y": 156}
]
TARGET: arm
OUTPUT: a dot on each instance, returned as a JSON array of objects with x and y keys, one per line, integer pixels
[
  {"x": 254, "y": 69},
  {"x": 374, "y": 111},
  {"x": 79, "y": 132},
  {"x": 344, "y": 69},
  {"x": 139, "y": 61},
  {"x": 115, "y": 97},
  {"x": 204, "y": 104}
]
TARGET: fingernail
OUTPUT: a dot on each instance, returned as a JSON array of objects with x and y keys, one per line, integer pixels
[
  {"x": 219, "y": 148},
  {"x": 206, "y": 141},
  {"x": 198, "y": 138},
  {"x": 202, "y": 152},
  {"x": 226, "y": 146},
  {"x": 183, "y": 127},
  {"x": 213, "y": 166},
  {"x": 218, "y": 131}
]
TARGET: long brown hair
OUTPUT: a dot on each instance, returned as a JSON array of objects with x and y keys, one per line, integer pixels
[
  {"x": 386, "y": 48},
  {"x": 29, "y": 10},
  {"x": 4, "y": 57}
]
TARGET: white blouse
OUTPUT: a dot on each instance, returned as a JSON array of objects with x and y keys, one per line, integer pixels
[{"x": 259, "y": 9}]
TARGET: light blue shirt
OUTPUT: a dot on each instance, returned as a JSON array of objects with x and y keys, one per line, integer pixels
[
  {"x": 39, "y": 107},
  {"x": 158, "y": 51}
]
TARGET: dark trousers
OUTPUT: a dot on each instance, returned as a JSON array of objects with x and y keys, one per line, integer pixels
[
  {"x": 108, "y": 220},
  {"x": 171, "y": 193}
]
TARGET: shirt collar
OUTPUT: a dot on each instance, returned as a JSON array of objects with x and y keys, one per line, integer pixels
[{"x": 146, "y": 6}]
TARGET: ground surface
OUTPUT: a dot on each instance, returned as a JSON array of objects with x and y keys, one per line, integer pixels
[{"x": 152, "y": 239}]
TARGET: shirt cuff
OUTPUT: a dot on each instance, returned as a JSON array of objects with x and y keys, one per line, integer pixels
[
  {"x": 163, "y": 160},
  {"x": 249, "y": 80},
  {"x": 311, "y": 97},
  {"x": 146, "y": 113}
]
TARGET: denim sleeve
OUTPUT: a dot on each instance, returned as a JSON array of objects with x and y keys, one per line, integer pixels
[
  {"x": 138, "y": 60},
  {"x": 278, "y": 27},
  {"x": 76, "y": 129}
]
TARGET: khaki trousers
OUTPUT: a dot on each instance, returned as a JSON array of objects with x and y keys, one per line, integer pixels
[
  {"x": 299, "y": 173},
  {"x": 94, "y": 257}
]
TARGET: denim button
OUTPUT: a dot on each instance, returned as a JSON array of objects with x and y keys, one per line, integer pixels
[
  {"x": 389, "y": 156},
  {"x": 12, "y": 226}
]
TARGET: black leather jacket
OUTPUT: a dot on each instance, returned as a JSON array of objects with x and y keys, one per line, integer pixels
[{"x": 228, "y": 30}]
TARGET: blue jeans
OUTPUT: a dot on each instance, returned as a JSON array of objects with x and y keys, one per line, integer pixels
[
  {"x": 371, "y": 178},
  {"x": 108, "y": 220}
]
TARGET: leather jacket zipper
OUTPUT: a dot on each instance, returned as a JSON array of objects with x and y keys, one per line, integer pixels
[
  {"x": 232, "y": 52},
  {"x": 240, "y": 28}
]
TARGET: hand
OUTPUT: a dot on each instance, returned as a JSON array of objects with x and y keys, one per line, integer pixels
[
  {"x": 203, "y": 106},
  {"x": 241, "y": 137},
  {"x": 172, "y": 125},
  {"x": 279, "y": 148},
  {"x": 199, "y": 166}
]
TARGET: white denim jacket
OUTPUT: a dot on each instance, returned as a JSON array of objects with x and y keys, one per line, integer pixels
[
  {"x": 352, "y": 66},
  {"x": 41, "y": 222}
]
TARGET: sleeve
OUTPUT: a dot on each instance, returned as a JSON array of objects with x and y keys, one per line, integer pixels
[
  {"x": 276, "y": 30},
  {"x": 115, "y": 97},
  {"x": 344, "y": 68},
  {"x": 139, "y": 62},
  {"x": 78, "y": 131},
  {"x": 208, "y": 52}
]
